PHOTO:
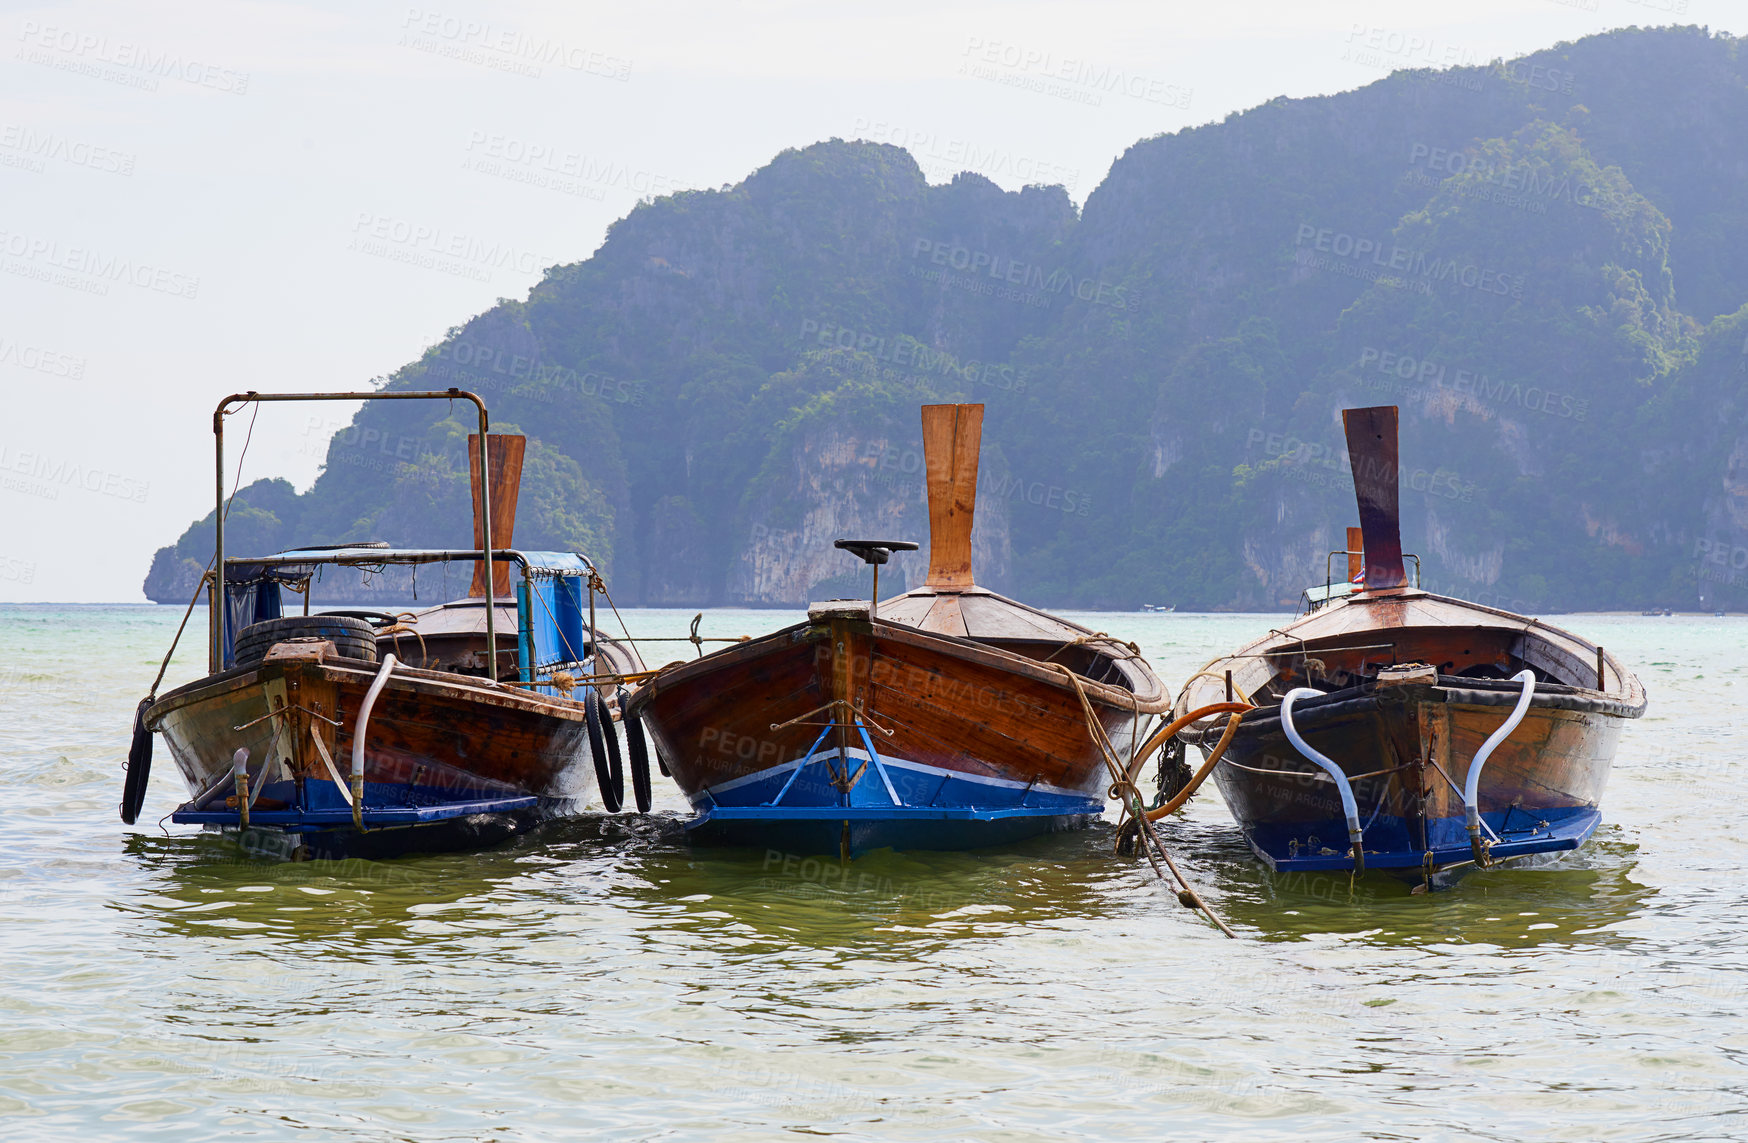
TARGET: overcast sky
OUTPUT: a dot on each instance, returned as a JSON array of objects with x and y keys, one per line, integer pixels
[{"x": 202, "y": 198}]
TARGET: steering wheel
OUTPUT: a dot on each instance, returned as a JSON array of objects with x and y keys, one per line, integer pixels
[{"x": 377, "y": 618}]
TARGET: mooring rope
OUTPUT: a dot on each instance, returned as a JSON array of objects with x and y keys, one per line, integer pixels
[
  {"x": 200, "y": 584},
  {"x": 404, "y": 624},
  {"x": 165, "y": 665},
  {"x": 1130, "y": 798}
]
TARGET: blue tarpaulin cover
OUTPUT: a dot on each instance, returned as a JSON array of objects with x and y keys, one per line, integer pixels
[
  {"x": 554, "y": 614},
  {"x": 252, "y": 595}
]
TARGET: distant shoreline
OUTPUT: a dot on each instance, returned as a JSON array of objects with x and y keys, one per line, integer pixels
[{"x": 753, "y": 607}]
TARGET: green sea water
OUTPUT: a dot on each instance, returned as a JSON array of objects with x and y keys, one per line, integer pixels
[{"x": 600, "y": 980}]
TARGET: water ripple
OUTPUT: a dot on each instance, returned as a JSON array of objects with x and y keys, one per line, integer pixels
[{"x": 602, "y": 978}]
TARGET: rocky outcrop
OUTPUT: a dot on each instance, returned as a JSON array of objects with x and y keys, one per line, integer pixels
[
  {"x": 1525, "y": 256},
  {"x": 840, "y": 484}
]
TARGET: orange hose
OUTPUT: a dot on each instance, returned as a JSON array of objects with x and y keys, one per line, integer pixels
[
  {"x": 1195, "y": 783},
  {"x": 1176, "y": 725}
]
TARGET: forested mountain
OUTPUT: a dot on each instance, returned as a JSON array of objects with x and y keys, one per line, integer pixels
[{"x": 1543, "y": 261}]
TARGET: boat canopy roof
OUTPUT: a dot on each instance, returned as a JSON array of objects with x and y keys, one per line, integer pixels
[{"x": 299, "y": 563}]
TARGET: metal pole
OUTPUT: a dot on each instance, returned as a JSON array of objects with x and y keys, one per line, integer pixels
[
  {"x": 216, "y": 592},
  {"x": 485, "y": 500},
  {"x": 217, "y": 597}
]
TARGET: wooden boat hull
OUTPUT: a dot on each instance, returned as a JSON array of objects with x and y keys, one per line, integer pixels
[
  {"x": 1406, "y": 752},
  {"x": 1400, "y": 729},
  {"x": 846, "y": 734},
  {"x": 449, "y": 761}
]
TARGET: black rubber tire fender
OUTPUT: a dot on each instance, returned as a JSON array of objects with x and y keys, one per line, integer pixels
[
  {"x": 352, "y": 638},
  {"x": 609, "y": 778},
  {"x": 139, "y": 766},
  {"x": 637, "y": 750}
]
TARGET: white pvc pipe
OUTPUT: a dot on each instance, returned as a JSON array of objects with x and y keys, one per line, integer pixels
[
  {"x": 358, "y": 730},
  {"x": 240, "y": 775},
  {"x": 1348, "y": 806},
  {"x": 1472, "y": 783}
]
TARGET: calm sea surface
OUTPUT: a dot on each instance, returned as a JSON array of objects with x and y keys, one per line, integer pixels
[{"x": 600, "y": 979}]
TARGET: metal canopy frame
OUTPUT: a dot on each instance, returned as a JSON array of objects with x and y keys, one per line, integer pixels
[
  {"x": 216, "y": 596},
  {"x": 364, "y": 557}
]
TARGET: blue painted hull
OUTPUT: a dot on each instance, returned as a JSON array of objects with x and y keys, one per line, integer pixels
[
  {"x": 844, "y": 734},
  {"x": 1389, "y": 845},
  {"x": 1406, "y": 754},
  {"x": 802, "y": 806},
  {"x": 398, "y": 818},
  {"x": 854, "y": 832},
  {"x": 450, "y": 763}
]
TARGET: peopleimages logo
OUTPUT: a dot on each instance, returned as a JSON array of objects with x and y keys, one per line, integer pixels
[
  {"x": 52, "y": 362},
  {"x": 1410, "y": 47},
  {"x": 504, "y": 48},
  {"x": 83, "y": 268},
  {"x": 1523, "y": 182},
  {"x": 1061, "y": 76},
  {"x": 435, "y": 248},
  {"x": 1027, "y": 275},
  {"x": 533, "y": 380},
  {"x": 944, "y": 156},
  {"x": 891, "y": 463},
  {"x": 1412, "y": 373},
  {"x": 908, "y": 353},
  {"x": 1412, "y": 263},
  {"x": 1304, "y": 460},
  {"x": 552, "y": 166},
  {"x": 67, "y": 49},
  {"x": 45, "y": 475},
  {"x": 34, "y": 147}
]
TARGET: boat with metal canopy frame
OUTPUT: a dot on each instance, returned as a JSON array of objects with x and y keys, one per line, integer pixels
[
  {"x": 320, "y": 728},
  {"x": 1399, "y": 729}
]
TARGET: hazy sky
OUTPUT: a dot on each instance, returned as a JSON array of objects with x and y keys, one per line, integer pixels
[{"x": 203, "y": 198}]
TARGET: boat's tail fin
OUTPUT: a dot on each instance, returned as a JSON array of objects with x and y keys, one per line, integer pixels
[
  {"x": 952, "y": 440},
  {"x": 504, "y": 459},
  {"x": 1356, "y": 554},
  {"x": 1372, "y": 452}
]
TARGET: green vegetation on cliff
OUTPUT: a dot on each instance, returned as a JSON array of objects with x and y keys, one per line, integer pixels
[{"x": 1541, "y": 261}]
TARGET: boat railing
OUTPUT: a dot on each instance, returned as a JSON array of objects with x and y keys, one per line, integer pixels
[{"x": 1314, "y": 597}]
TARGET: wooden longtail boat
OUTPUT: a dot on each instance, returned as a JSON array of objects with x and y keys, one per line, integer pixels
[
  {"x": 369, "y": 734},
  {"x": 1399, "y": 729},
  {"x": 944, "y": 718}
]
